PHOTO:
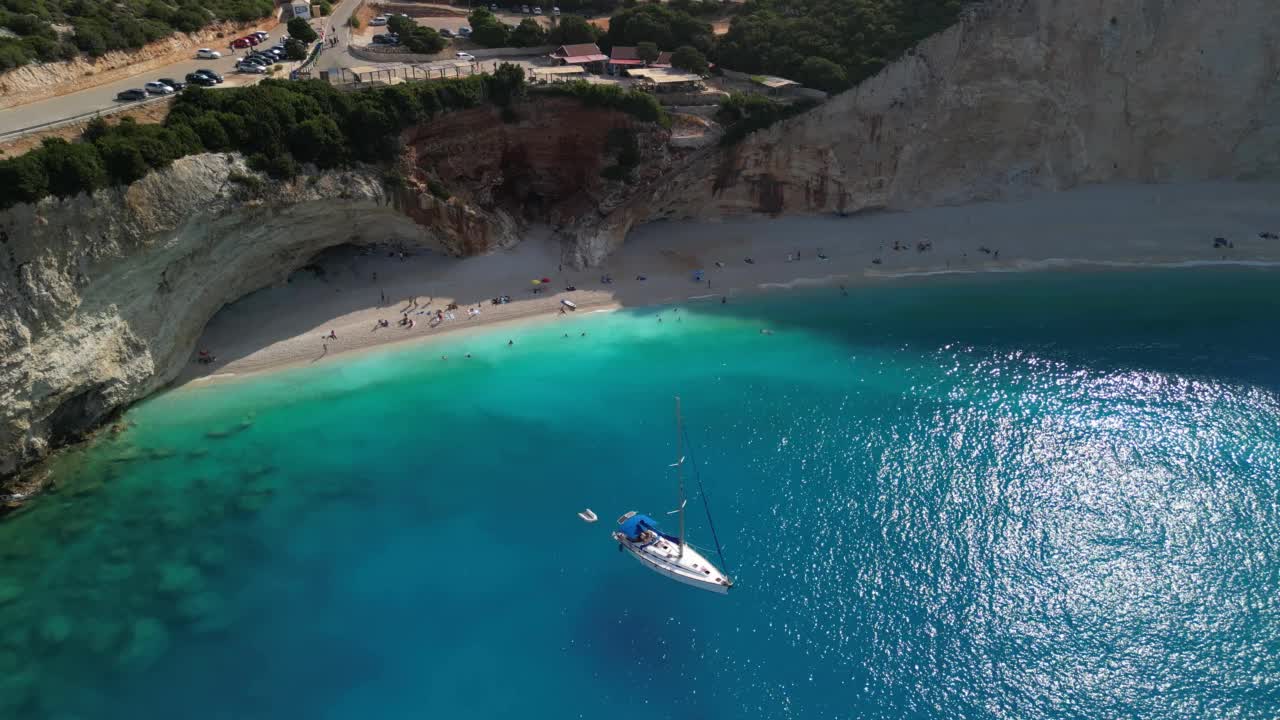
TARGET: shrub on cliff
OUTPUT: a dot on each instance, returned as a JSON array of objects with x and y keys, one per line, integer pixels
[
  {"x": 744, "y": 113},
  {"x": 72, "y": 167},
  {"x": 640, "y": 105},
  {"x": 23, "y": 179}
]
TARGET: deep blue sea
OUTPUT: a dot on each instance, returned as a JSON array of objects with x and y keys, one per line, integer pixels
[{"x": 1012, "y": 497}]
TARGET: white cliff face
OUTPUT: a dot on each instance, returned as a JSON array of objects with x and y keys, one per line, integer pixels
[
  {"x": 1023, "y": 95},
  {"x": 102, "y": 298}
]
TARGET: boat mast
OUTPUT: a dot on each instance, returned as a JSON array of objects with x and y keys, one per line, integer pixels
[{"x": 680, "y": 470}]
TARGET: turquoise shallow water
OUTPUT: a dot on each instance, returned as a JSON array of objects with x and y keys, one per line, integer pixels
[{"x": 1037, "y": 496}]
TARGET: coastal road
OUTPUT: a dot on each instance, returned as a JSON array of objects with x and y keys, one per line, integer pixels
[{"x": 103, "y": 97}]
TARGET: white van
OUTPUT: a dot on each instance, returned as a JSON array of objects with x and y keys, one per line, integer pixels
[{"x": 380, "y": 20}]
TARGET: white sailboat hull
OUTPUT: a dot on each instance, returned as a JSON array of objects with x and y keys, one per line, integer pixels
[{"x": 663, "y": 556}]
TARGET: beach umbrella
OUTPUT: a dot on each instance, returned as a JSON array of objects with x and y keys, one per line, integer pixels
[
  {"x": 537, "y": 282},
  {"x": 546, "y": 280}
]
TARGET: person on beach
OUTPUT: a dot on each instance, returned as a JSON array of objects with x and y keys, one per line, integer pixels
[
  {"x": 333, "y": 335},
  {"x": 510, "y": 343}
]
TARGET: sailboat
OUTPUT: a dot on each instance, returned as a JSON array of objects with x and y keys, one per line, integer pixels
[{"x": 668, "y": 555}]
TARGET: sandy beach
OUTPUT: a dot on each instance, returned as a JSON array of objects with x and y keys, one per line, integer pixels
[{"x": 347, "y": 291}]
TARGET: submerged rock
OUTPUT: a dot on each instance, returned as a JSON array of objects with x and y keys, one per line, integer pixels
[
  {"x": 114, "y": 572},
  {"x": 55, "y": 629},
  {"x": 10, "y": 590},
  {"x": 148, "y": 642},
  {"x": 211, "y": 556},
  {"x": 16, "y": 690},
  {"x": 180, "y": 578},
  {"x": 102, "y": 635}
]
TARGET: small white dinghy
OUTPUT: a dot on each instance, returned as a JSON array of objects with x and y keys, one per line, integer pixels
[
  {"x": 669, "y": 555},
  {"x": 569, "y": 304},
  {"x": 588, "y": 516}
]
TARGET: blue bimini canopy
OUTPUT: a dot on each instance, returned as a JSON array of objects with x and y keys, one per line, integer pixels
[{"x": 636, "y": 524}]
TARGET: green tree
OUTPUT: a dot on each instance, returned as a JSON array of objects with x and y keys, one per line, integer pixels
[
  {"x": 423, "y": 40},
  {"x": 486, "y": 29},
  {"x": 506, "y": 84},
  {"x": 688, "y": 58},
  {"x": 658, "y": 24},
  {"x": 400, "y": 25},
  {"x": 72, "y": 168},
  {"x": 528, "y": 34},
  {"x": 647, "y": 51},
  {"x": 213, "y": 136},
  {"x": 294, "y": 49},
  {"x": 300, "y": 29},
  {"x": 573, "y": 30},
  {"x": 821, "y": 73},
  {"x": 319, "y": 141},
  {"x": 22, "y": 180}
]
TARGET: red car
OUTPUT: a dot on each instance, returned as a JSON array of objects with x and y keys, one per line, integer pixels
[{"x": 245, "y": 42}]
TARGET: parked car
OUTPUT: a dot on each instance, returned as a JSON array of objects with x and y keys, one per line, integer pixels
[
  {"x": 132, "y": 94},
  {"x": 537, "y": 10},
  {"x": 378, "y": 21},
  {"x": 524, "y": 9},
  {"x": 207, "y": 54},
  {"x": 466, "y": 56},
  {"x": 173, "y": 83},
  {"x": 210, "y": 74},
  {"x": 493, "y": 8},
  {"x": 241, "y": 43},
  {"x": 445, "y": 32},
  {"x": 386, "y": 39},
  {"x": 251, "y": 68},
  {"x": 261, "y": 35},
  {"x": 464, "y": 32},
  {"x": 555, "y": 11},
  {"x": 157, "y": 88},
  {"x": 201, "y": 80}
]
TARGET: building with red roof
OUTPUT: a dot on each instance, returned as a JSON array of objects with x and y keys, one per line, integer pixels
[{"x": 582, "y": 54}]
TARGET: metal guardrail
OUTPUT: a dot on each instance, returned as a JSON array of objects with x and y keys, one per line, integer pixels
[{"x": 22, "y": 132}]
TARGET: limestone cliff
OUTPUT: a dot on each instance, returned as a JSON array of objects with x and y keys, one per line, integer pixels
[
  {"x": 1020, "y": 96},
  {"x": 101, "y": 298}
]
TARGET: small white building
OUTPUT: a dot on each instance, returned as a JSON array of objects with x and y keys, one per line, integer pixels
[{"x": 301, "y": 9}]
